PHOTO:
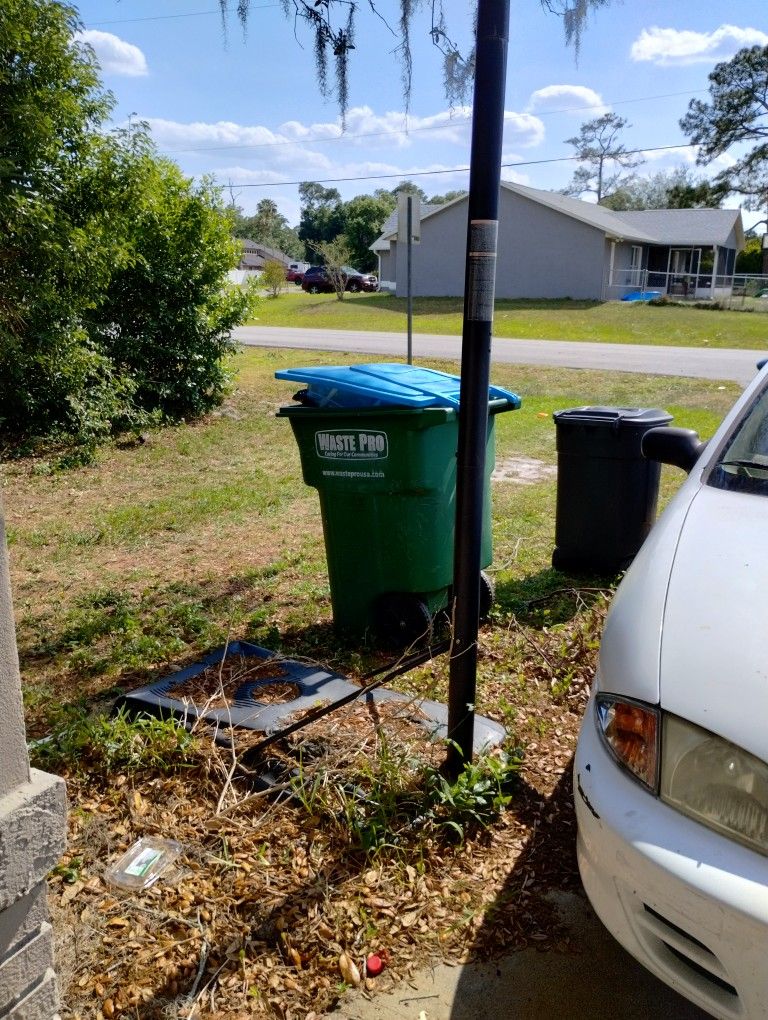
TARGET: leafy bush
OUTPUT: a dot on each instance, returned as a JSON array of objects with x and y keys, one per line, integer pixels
[
  {"x": 273, "y": 277},
  {"x": 113, "y": 312}
]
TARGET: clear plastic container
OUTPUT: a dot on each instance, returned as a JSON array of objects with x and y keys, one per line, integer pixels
[{"x": 142, "y": 865}]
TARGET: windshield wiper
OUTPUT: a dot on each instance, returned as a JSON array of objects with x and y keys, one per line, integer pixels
[{"x": 744, "y": 464}]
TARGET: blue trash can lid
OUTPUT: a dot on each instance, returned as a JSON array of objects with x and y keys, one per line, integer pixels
[{"x": 385, "y": 384}]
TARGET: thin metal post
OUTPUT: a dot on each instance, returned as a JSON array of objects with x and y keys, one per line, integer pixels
[
  {"x": 479, "y": 291},
  {"x": 409, "y": 228}
]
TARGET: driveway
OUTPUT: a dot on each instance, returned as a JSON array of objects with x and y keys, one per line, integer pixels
[
  {"x": 597, "y": 980},
  {"x": 696, "y": 362}
]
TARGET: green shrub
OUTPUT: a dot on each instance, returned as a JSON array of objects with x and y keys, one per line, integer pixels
[{"x": 113, "y": 308}]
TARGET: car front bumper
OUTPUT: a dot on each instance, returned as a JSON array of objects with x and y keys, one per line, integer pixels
[{"x": 689, "y": 904}]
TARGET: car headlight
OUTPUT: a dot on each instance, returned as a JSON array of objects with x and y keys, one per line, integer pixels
[
  {"x": 631, "y": 733},
  {"x": 715, "y": 783}
]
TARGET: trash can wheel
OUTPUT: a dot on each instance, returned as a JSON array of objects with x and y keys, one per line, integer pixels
[{"x": 402, "y": 619}]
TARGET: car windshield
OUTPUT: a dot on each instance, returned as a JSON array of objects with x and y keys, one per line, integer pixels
[
  {"x": 743, "y": 462},
  {"x": 350, "y": 271}
]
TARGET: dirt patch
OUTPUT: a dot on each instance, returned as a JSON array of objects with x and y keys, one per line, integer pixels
[
  {"x": 217, "y": 686},
  {"x": 523, "y": 471}
]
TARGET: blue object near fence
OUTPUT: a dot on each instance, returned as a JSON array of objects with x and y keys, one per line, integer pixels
[{"x": 643, "y": 295}]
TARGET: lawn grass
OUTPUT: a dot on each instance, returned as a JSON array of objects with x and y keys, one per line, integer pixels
[
  {"x": 130, "y": 568},
  {"x": 162, "y": 548},
  {"x": 629, "y": 322}
]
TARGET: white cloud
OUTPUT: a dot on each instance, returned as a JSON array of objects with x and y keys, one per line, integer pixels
[
  {"x": 220, "y": 140},
  {"x": 669, "y": 47},
  {"x": 566, "y": 99},
  {"x": 376, "y": 151},
  {"x": 522, "y": 129},
  {"x": 309, "y": 151},
  {"x": 115, "y": 55},
  {"x": 366, "y": 177},
  {"x": 687, "y": 154},
  {"x": 514, "y": 177},
  {"x": 366, "y": 128},
  {"x": 676, "y": 155}
]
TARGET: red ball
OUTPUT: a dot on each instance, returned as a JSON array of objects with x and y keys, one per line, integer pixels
[{"x": 374, "y": 965}]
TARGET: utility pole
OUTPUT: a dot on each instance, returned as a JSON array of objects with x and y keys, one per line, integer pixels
[
  {"x": 409, "y": 222},
  {"x": 408, "y": 234},
  {"x": 479, "y": 292}
]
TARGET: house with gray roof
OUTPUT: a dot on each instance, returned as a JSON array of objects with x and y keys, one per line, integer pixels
[
  {"x": 255, "y": 255},
  {"x": 552, "y": 246}
]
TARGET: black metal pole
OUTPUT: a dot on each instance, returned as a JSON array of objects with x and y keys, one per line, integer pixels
[
  {"x": 479, "y": 289},
  {"x": 409, "y": 227}
]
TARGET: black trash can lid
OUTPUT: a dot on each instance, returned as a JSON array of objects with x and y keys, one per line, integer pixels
[{"x": 613, "y": 417}]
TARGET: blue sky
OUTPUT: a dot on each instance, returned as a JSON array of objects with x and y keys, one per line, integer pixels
[{"x": 247, "y": 109}]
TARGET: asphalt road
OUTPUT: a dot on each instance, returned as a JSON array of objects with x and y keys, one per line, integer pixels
[{"x": 735, "y": 365}]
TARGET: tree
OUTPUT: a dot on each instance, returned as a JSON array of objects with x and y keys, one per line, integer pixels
[
  {"x": 667, "y": 189},
  {"x": 364, "y": 217},
  {"x": 272, "y": 277},
  {"x": 750, "y": 260},
  {"x": 52, "y": 379},
  {"x": 737, "y": 112},
  {"x": 335, "y": 256},
  {"x": 449, "y": 196},
  {"x": 165, "y": 317},
  {"x": 269, "y": 227},
  {"x": 409, "y": 188},
  {"x": 602, "y": 156},
  {"x": 111, "y": 265},
  {"x": 322, "y": 214}
]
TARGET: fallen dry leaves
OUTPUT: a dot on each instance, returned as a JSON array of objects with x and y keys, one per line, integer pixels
[{"x": 271, "y": 913}]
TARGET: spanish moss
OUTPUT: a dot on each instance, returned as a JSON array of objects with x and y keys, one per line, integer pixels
[{"x": 458, "y": 67}]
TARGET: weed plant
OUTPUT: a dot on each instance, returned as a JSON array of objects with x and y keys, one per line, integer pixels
[
  {"x": 395, "y": 802},
  {"x": 103, "y": 747}
]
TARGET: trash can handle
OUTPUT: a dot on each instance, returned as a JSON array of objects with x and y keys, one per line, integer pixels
[{"x": 500, "y": 404}]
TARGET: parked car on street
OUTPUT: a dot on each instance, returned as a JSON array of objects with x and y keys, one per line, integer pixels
[
  {"x": 294, "y": 274},
  {"x": 317, "y": 281},
  {"x": 671, "y": 769}
]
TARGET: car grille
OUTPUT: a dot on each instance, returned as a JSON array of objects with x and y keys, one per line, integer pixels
[{"x": 689, "y": 960}]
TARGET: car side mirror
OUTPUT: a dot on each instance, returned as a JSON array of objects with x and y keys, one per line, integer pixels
[{"x": 668, "y": 445}]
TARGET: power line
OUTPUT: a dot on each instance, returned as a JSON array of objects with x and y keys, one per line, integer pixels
[
  {"x": 431, "y": 173},
  {"x": 169, "y": 17}
]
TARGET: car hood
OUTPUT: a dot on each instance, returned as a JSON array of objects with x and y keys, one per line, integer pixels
[{"x": 713, "y": 667}]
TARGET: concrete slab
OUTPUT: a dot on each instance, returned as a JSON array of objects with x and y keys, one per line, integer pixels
[{"x": 601, "y": 981}]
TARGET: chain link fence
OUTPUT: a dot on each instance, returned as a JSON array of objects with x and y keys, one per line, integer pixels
[{"x": 736, "y": 292}]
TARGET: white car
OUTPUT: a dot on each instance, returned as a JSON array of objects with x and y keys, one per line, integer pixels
[{"x": 671, "y": 769}]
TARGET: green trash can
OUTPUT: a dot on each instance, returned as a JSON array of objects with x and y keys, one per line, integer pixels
[
  {"x": 606, "y": 489},
  {"x": 386, "y": 478}
]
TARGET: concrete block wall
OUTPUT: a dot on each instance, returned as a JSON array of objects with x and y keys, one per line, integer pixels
[{"x": 33, "y": 815}]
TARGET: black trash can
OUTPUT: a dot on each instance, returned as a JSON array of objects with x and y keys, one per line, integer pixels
[{"x": 606, "y": 490}]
